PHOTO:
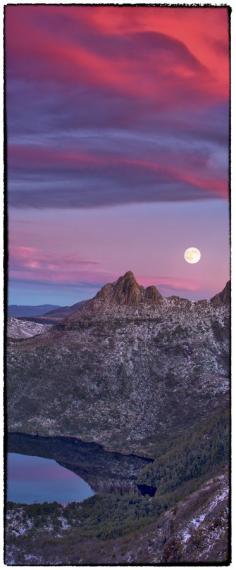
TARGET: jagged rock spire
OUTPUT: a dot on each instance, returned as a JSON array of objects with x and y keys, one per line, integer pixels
[{"x": 126, "y": 291}]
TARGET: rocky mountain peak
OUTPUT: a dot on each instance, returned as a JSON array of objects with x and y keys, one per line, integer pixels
[
  {"x": 128, "y": 276},
  {"x": 127, "y": 299},
  {"x": 126, "y": 291}
]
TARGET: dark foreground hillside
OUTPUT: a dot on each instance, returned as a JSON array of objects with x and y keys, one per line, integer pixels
[{"x": 194, "y": 530}]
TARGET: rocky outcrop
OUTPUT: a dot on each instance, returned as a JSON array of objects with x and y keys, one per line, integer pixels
[{"x": 126, "y": 291}]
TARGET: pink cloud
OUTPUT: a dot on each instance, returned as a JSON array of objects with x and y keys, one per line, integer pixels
[
  {"x": 43, "y": 50},
  {"x": 32, "y": 264},
  {"x": 169, "y": 281}
]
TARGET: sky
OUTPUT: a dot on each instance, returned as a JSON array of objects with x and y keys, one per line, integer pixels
[{"x": 117, "y": 134}]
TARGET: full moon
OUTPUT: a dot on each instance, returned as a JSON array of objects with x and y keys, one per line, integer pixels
[{"x": 192, "y": 255}]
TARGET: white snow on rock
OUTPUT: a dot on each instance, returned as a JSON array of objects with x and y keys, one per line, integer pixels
[
  {"x": 18, "y": 328},
  {"x": 210, "y": 507}
]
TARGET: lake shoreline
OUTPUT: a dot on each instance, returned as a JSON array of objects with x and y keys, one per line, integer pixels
[
  {"x": 75, "y": 439},
  {"x": 104, "y": 471}
]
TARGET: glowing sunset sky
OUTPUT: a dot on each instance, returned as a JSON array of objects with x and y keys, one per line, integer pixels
[{"x": 117, "y": 149}]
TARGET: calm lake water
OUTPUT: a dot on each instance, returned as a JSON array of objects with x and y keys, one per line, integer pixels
[{"x": 36, "y": 479}]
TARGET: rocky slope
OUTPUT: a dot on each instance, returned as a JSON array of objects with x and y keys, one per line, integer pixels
[
  {"x": 127, "y": 370},
  {"x": 18, "y": 328}
]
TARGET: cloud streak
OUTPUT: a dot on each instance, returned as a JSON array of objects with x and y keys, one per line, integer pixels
[{"x": 59, "y": 178}]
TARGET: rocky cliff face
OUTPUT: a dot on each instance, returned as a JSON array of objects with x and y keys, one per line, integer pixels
[{"x": 126, "y": 370}]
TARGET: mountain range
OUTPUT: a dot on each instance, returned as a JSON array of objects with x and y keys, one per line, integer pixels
[
  {"x": 131, "y": 390},
  {"x": 122, "y": 367},
  {"x": 30, "y": 310}
]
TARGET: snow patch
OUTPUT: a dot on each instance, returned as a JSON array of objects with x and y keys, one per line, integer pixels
[{"x": 17, "y": 328}]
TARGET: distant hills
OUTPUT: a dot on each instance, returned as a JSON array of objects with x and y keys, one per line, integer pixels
[
  {"x": 48, "y": 314},
  {"x": 30, "y": 310},
  {"x": 62, "y": 312}
]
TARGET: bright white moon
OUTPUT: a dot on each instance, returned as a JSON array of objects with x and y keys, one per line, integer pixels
[{"x": 192, "y": 255}]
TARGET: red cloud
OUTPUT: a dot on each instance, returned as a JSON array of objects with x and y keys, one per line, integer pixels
[
  {"x": 40, "y": 47},
  {"x": 199, "y": 28}
]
